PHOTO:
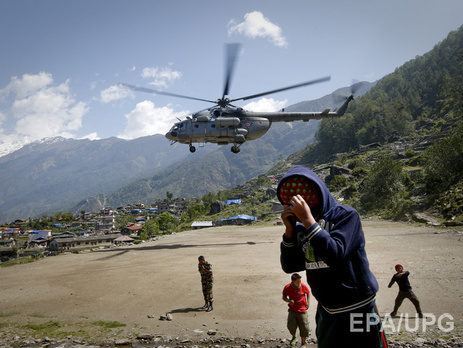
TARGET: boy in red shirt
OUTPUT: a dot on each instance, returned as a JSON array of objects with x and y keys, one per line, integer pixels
[{"x": 297, "y": 294}]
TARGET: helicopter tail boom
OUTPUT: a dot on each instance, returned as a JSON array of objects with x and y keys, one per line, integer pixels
[{"x": 284, "y": 116}]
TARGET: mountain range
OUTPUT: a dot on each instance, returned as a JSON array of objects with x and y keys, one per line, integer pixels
[{"x": 59, "y": 174}]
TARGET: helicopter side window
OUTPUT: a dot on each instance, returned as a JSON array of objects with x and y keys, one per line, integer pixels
[
  {"x": 196, "y": 126},
  {"x": 213, "y": 125}
]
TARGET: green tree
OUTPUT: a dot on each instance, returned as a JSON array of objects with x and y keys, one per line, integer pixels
[
  {"x": 262, "y": 180},
  {"x": 452, "y": 89},
  {"x": 167, "y": 222},
  {"x": 195, "y": 210},
  {"x": 208, "y": 199},
  {"x": 384, "y": 185},
  {"x": 444, "y": 161},
  {"x": 151, "y": 228}
]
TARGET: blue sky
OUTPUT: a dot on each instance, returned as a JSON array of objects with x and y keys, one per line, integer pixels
[{"x": 62, "y": 61}]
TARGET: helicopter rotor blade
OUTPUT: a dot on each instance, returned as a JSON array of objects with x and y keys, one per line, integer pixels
[
  {"x": 153, "y": 91},
  {"x": 323, "y": 79},
  {"x": 232, "y": 56}
]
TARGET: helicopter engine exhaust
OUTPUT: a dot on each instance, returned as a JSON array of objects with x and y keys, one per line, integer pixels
[{"x": 227, "y": 121}]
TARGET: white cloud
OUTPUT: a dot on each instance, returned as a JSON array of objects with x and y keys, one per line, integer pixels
[
  {"x": 146, "y": 119},
  {"x": 266, "y": 104},
  {"x": 114, "y": 93},
  {"x": 255, "y": 25},
  {"x": 161, "y": 77},
  {"x": 39, "y": 109},
  {"x": 91, "y": 136},
  {"x": 27, "y": 84}
]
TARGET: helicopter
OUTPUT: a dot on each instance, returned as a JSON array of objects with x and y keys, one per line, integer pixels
[{"x": 225, "y": 123}]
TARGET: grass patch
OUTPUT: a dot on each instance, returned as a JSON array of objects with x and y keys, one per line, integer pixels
[
  {"x": 109, "y": 324},
  {"x": 39, "y": 328},
  {"x": 18, "y": 261},
  {"x": 7, "y": 315},
  {"x": 37, "y": 315},
  {"x": 49, "y": 326}
]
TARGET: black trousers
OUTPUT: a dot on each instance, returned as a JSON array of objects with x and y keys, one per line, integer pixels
[
  {"x": 401, "y": 296},
  {"x": 360, "y": 328}
]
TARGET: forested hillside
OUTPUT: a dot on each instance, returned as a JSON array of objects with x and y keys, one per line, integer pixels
[
  {"x": 401, "y": 144},
  {"x": 427, "y": 88}
]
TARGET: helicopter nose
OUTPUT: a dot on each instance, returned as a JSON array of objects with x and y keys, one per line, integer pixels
[{"x": 171, "y": 135}]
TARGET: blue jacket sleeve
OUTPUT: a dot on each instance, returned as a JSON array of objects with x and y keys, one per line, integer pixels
[
  {"x": 392, "y": 281},
  {"x": 292, "y": 258},
  {"x": 346, "y": 235}
]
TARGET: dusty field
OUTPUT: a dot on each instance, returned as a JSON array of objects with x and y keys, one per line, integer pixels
[{"x": 80, "y": 294}]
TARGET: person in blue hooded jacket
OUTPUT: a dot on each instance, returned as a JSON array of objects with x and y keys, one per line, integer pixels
[{"x": 326, "y": 239}]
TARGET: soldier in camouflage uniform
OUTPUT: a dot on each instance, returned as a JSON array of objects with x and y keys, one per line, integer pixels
[{"x": 207, "y": 281}]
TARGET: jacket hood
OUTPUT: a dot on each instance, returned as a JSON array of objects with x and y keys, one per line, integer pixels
[{"x": 327, "y": 200}]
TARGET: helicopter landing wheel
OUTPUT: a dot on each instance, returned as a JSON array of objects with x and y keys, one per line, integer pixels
[
  {"x": 192, "y": 148},
  {"x": 235, "y": 149}
]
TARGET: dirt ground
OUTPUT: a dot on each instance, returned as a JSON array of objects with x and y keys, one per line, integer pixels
[{"x": 137, "y": 284}]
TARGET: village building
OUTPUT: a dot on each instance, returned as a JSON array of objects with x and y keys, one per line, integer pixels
[
  {"x": 6, "y": 243},
  {"x": 164, "y": 206},
  {"x": 39, "y": 235},
  {"x": 176, "y": 208},
  {"x": 132, "y": 229},
  {"x": 123, "y": 240},
  {"x": 40, "y": 243},
  {"x": 7, "y": 253},
  {"x": 241, "y": 219},
  {"x": 233, "y": 201},
  {"x": 202, "y": 224},
  {"x": 65, "y": 234},
  {"x": 107, "y": 211},
  {"x": 106, "y": 223},
  {"x": 61, "y": 244},
  {"x": 8, "y": 233}
]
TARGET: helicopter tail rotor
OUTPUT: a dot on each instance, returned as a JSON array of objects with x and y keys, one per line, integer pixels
[
  {"x": 354, "y": 90},
  {"x": 343, "y": 107}
]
